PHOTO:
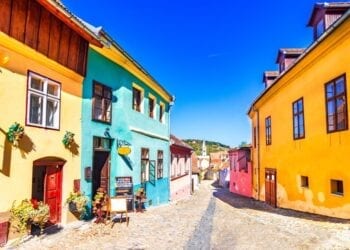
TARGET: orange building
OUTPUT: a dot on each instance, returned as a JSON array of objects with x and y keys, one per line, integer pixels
[{"x": 301, "y": 136}]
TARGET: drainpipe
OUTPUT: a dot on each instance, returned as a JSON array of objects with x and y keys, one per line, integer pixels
[{"x": 258, "y": 149}]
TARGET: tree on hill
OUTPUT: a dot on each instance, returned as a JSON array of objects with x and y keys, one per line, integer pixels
[{"x": 212, "y": 146}]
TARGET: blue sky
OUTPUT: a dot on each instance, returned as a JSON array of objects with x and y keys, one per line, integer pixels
[{"x": 210, "y": 54}]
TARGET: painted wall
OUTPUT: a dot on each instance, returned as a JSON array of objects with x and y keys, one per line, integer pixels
[
  {"x": 240, "y": 179},
  {"x": 321, "y": 156},
  {"x": 180, "y": 183},
  {"x": 136, "y": 128},
  {"x": 16, "y": 163}
]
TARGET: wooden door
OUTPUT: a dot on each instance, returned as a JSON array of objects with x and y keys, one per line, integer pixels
[
  {"x": 100, "y": 171},
  {"x": 270, "y": 187},
  {"x": 53, "y": 192}
]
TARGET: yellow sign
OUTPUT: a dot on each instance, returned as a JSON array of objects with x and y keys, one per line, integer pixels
[{"x": 124, "y": 150}]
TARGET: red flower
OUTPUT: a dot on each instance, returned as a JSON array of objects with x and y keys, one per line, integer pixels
[{"x": 35, "y": 203}]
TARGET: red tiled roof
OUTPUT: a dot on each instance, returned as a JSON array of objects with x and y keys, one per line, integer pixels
[{"x": 176, "y": 141}]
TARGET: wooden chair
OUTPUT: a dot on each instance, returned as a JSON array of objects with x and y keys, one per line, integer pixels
[{"x": 118, "y": 205}]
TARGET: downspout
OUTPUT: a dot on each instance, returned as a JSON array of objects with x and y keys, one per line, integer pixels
[{"x": 258, "y": 149}]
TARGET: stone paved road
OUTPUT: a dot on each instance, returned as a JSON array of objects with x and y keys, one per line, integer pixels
[{"x": 212, "y": 218}]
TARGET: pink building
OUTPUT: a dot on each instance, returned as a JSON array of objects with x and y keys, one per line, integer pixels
[
  {"x": 180, "y": 169},
  {"x": 240, "y": 171}
]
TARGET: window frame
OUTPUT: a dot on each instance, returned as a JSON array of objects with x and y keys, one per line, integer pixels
[
  {"x": 297, "y": 115},
  {"x": 334, "y": 99},
  {"x": 304, "y": 181},
  {"x": 335, "y": 184},
  {"x": 152, "y": 112},
  {"x": 146, "y": 170},
  {"x": 161, "y": 112},
  {"x": 45, "y": 96},
  {"x": 103, "y": 101},
  {"x": 138, "y": 107},
  {"x": 268, "y": 130},
  {"x": 160, "y": 164}
]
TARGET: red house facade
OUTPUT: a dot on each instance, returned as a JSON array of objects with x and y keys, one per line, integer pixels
[
  {"x": 240, "y": 171},
  {"x": 180, "y": 169}
]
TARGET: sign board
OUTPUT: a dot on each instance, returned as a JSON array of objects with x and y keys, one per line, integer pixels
[
  {"x": 124, "y": 150},
  {"x": 118, "y": 204}
]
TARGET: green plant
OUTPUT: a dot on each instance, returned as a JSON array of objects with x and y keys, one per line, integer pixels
[
  {"x": 68, "y": 139},
  {"x": 29, "y": 212},
  {"x": 40, "y": 214},
  {"x": 77, "y": 202},
  {"x": 20, "y": 215},
  {"x": 15, "y": 133}
]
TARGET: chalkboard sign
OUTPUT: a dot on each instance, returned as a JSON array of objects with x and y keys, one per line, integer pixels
[{"x": 124, "y": 188}]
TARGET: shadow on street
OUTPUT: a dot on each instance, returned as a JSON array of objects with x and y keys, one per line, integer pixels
[{"x": 238, "y": 201}]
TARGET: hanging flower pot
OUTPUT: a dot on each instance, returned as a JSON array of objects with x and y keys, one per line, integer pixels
[
  {"x": 68, "y": 139},
  {"x": 15, "y": 133}
]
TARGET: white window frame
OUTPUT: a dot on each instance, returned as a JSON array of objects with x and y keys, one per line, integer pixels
[
  {"x": 142, "y": 95},
  {"x": 161, "y": 118},
  {"x": 152, "y": 97},
  {"x": 45, "y": 98}
]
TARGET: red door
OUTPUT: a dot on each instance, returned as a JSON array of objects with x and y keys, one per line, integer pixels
[
  {"x": 270, "y": 187},
  {"x": 53, "y": 186}
]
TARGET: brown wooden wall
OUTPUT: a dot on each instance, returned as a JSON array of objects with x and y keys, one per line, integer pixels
[{"x": 30, "y": 23}]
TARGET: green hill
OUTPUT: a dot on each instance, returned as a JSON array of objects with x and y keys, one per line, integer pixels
[{"x": 212, "y": 146}]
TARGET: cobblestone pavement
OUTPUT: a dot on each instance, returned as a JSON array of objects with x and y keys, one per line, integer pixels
[{"x": 212, "y": 218}]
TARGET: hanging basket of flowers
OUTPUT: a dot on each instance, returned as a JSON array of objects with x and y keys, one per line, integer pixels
[
  {"x": 15, "y": 133},
  {"x": 68, "y": 139}
]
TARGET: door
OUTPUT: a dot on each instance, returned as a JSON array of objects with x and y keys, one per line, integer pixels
[
  {"x": 270, "y": 187},
  {"x": 53, "y": 187},
  {"x": 100, "y": 171}
]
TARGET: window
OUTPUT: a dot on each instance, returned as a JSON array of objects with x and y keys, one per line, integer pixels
[
  {"x": 337, "y": 187},
  {"x": 268, "y": 130},
  {"x": 136, "y": 99},
  {"x": 304, "y": 181},
  {"x": 161, "y": 112},
  {"x": 151, "y": 107},
  {"x": 144, "y": 164},
  {"x": 101, "y": 103},
  {"x": 298, "y": 119},
  {"x": 44, "y": 99},
  {"x": 319, "y": 29},
  {"x": 160, "y": 164},
  {"x": 173, "y": 165},
  {"x": 336, "y": 105}
]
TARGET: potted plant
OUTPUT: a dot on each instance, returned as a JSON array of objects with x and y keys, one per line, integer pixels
[
  {"x": 29, "y": 212},
  {"x": 100, "y": 204},
  {"x": 20, "y": 216},
  {"x": 68, "y": 139},
  {"x": 40, "y": 214},
  {"x": 77, "y": 202},
  {"x": 15, "y": 133}
]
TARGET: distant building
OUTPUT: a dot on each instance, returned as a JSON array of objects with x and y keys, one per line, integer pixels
[
  {"x": 180, "y": 169},
  {"x": 240, "y": 171}
]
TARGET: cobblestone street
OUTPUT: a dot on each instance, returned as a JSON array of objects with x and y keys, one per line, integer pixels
[{"x": 212, "y": 218}]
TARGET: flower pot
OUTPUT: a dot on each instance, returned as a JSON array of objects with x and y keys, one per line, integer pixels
[{"x": 72, "y": 207}]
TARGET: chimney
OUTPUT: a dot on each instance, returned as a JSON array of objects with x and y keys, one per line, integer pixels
[
  {"x": 286, "y": 57},
  {"x": 324, "y": 15},
  {"x": 269, "y": 77}
]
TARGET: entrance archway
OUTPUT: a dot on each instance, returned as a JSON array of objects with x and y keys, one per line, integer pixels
[{"x": 47, "y": 184}]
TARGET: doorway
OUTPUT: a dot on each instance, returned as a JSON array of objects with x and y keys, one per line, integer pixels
[
  {"x": 270, "y": 187},
  {"x": 47, "y": 185},
  {"x": 100, "y": 171}
]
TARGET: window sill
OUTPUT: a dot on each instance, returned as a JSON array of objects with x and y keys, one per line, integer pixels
[
  {"x": 340, "y": 195},
  {"x": 101, "y": 121}
]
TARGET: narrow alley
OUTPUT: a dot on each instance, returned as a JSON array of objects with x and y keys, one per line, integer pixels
[{"x": 212, "y": 218}]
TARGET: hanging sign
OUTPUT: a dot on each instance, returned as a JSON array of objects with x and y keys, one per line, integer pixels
[{"x": 123, "y": 147}]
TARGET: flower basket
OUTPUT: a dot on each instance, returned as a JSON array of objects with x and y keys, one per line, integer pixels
[
  {"x": 68, "y": 139},
  {"x": 77, "y": 202},
  {"x": 15, "y": 133}
]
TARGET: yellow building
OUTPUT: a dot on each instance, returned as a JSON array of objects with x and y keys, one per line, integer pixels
[
  {"x": 301, "y": 136},
  {"x": 42, "y": 67}
]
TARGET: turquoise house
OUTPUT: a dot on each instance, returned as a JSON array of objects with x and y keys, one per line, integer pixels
[{"x": 125, "y": 126}]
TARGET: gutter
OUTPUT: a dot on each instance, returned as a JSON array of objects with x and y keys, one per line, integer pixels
[{"x": 335, "y": 25}]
